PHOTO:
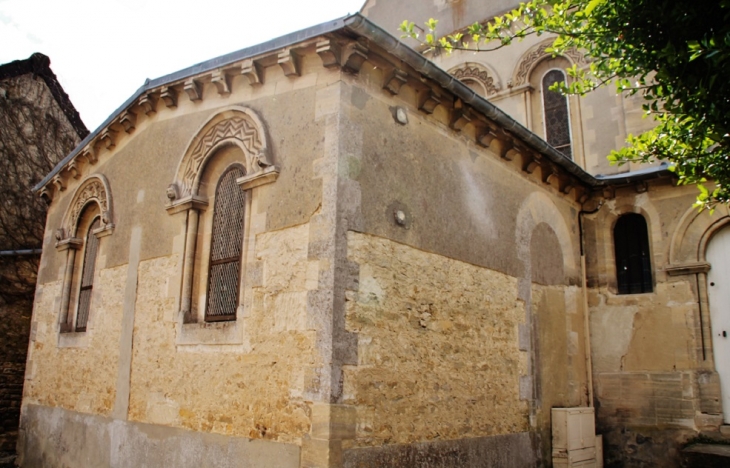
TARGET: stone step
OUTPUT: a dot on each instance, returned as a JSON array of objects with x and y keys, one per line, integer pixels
[{"x": 706, "y": 456}]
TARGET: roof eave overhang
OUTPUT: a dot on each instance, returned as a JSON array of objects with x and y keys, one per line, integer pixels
[{"x": 360, "y": 26}]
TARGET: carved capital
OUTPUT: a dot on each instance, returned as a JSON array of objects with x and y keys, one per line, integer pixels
[
  {"x": 356, "y": 53},
  {"x": 169, "y": 96},
  {"x": 128, "y": 120},
  {"x": 679, "y": 269},
  {"x": 71, "y": 243},
  {"x": 193, "y": 89},
  {"x": 222, "y": 82},
  {"x": 395, "y": 80},
  {"x": 252, "y": 70},
  {"x": 290, "y": 62},
  {"x": 148, "y": 104},
  {"x": 191, "y": 202},
  {"x": 330, "y": 53},
  {"x": 265, "y": 176},
  {"x": 172, "y": 192}
]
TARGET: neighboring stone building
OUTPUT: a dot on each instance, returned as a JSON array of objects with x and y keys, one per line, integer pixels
[
  {"x": 38, "y": 127},
  {"x": 326, "y": 251}
]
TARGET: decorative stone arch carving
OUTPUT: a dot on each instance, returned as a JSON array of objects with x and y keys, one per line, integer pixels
[
  {"x": 535, "y": 55},
  {"x": 94, "y": 189},
  {"x": 234, "y": 126},
  {"x": 482, "y": 74},
  {"x": 693, "y": 232},
  {"x": 238, "y": 126},
  {"x": 687, "y": 257}
]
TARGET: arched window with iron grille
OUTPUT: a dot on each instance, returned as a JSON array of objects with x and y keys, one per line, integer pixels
[
  {"x": 87, "y": 276},
  {"x": 226, "y": 247},
  {"x": 633, "y": 258},
  {"x": 556, "y": 114}
]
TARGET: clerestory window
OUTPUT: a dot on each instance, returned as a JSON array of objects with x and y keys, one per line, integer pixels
[
  {"x": 556, "y": 114},
  {"x": 633, "y": 258}
]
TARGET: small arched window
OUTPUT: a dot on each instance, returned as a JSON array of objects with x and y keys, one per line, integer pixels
[
  {"x": 633, "y": 259},
  {"x": 226, "y": 247},
  {"x": 87, "y": 275},
  {"x": 556, "y": 114}
]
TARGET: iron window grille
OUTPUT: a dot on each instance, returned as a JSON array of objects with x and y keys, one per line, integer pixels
[
  {"x": 225, "y": 248},
  {"x": 87, "y": 276}
]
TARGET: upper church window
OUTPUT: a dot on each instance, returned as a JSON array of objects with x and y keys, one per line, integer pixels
[
  {"x": 556, "y": 114},
  {"x": 633, "y": 260}
]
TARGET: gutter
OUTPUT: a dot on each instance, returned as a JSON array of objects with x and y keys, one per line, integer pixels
[
  {"x": 363, "y": 27},
  {"x": 18, "y": 253}
]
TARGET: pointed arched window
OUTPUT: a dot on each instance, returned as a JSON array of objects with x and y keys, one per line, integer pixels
[
  {"x": 226, "y": 247},
  {"x": 633, "y": 258},
  {"x": 556, "y": 114}
]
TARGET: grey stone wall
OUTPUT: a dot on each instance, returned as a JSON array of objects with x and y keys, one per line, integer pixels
[{"x": 14, "y": 330}]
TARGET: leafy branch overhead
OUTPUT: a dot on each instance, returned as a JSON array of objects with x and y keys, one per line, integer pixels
[{"x": 676, "y": 54}]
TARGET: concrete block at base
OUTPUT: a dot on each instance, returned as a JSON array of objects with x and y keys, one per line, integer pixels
[{"x": 54, "y": 437}]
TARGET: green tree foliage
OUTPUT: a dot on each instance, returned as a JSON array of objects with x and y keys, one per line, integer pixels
[{"x": 676, "y": 54}]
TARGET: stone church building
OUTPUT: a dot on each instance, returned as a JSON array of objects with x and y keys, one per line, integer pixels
[{"x": 331, "y": 250}]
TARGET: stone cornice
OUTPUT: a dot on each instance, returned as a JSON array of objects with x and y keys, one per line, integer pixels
[{"x": 348, "y": 44}]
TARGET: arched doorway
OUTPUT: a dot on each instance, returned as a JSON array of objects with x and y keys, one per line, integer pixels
[{"x": 718, "y": 286}]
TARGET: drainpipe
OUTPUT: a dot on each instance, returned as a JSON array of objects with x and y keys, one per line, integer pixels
[{"x": 586, "y": 324}]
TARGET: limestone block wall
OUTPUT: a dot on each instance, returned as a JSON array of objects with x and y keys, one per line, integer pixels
[
  {"x": 254, "y": 389},
  {"x": 77, "y": 373},
  {"x": 654, "y": 377},
  {"x": 438, "y": 352}
]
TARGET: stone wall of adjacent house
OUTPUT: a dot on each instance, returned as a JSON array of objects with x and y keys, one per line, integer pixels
[
  {"x": 438, "y": 347},
  {"x": 14, "y": 329}
]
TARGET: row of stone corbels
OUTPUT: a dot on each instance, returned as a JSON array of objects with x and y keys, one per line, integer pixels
[
  {"x": 461, "y": 117},
  {"x": 510, "y": 149},
  {"x": 335, "y": 52},
  {"x": 348, "y": 54}
]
